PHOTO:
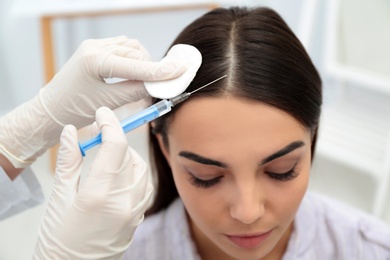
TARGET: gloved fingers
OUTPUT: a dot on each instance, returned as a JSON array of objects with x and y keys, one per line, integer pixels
[
  {"x": 128, "y": 91},
  {"x": 69, "y": 164},
  {"x": 91, "y": 130},
  {"x": 126, "y": 52},
  {"x": 139, "y": 178},
  {"x": 122, "y": 47},
  {"x": 132, "y": 54},
  {"x": 102, "y": 179},
  {"x": 108, "y": 64},
  {"x": 111, "y": 41},
  {"x": 143, "y": 204},
  {"x": 135, "y": 44},
  {"x": 99, "y": 46},
  {"x": 122, "y": 42},
  {"x": 142, "y": 70},
  {"x": 140, "y": 170},
  {"x": 113, "y": 149},
  {"x": 121, "y": 39},
  {"x": 123, "y": 93}
]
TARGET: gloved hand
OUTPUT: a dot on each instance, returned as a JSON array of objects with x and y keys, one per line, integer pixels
[
  {"x": 97, "y": 220},
  {"x": 77, "y": 91}
]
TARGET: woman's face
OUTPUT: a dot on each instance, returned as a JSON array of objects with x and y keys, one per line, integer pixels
[{"x": 241, "y": 169}]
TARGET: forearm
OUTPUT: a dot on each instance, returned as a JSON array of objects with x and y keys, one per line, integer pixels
[
  {"x": 27, "y": 132},
  {"x": 9, "y": 169}
]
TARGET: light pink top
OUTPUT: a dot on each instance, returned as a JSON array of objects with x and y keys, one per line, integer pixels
[{"x": 323, "y": 229}]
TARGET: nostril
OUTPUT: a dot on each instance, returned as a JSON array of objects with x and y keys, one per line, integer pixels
[{"x": 247, "y": 214}]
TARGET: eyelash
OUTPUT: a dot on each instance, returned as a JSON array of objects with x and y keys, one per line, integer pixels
[
  {"x": 287, "y": 176},
  {"x": 204, "y": 183}
]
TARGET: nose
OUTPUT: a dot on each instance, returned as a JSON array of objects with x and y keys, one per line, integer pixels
[{"x": 248, "y": 206}]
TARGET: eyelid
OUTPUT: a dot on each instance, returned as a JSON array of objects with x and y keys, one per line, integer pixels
[
  {"x": 284, "y": 162},
  {"x": 281, "y": 169},
  {"x": 203, "y": 183},
  {"x": 286, "y": 176},
  {"x": 281, "y": 173},
  {"x": 200, "y": 178},
  {"x": 204, "y": 172}
]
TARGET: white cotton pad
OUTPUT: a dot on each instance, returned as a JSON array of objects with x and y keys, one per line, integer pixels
[{"x": 186, "y": 54}]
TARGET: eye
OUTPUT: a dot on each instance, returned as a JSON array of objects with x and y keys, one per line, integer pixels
[
  {"x": 204, "y": 183},
  {"x": 286, "y": 176}
]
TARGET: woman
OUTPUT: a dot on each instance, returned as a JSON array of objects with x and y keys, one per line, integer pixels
[{"x": 233, "y": 161}]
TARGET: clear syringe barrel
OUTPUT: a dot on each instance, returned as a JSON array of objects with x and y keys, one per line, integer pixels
[
  {"x": 146, "y": 115},
  {"x": 130, "y": 123}
]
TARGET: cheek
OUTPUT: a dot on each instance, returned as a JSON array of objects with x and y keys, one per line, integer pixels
[
  {"x": 200, "y": 203},
  {"x": 182, "y": 184},
  {"x": 186, "y": 190},
  {"x": 284, "y": 198}
]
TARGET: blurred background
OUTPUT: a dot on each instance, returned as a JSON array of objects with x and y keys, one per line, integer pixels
[{"x": 348, "y": 41}]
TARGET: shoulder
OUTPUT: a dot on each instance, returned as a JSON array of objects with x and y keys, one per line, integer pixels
[
  {"x": 148, "y": 237},
  {"x": 345, "y": 217},
  {"x": 152, "y": 225},
  {"x": 342, "y": 230},
  {"x": 163, "y": 236}
]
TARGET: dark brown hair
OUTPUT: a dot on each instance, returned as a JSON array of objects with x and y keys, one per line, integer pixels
[{"x": 264, "y": 62}]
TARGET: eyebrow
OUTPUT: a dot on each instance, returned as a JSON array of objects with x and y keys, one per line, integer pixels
[
  {"x": 200, "y": 159},
  {"x": 207, "y": 161},
  {"x": 288, "y": 149}
]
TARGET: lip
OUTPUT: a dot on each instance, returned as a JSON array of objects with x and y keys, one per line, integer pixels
[{"x": 248, "y": 241}]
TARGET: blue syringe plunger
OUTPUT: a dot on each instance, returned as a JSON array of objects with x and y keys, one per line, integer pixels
[{"x": 160, "y": 108}]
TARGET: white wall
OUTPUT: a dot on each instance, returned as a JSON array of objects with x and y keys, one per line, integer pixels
[
  {"x": 365, "y": 39},
  {"x": 20, "y": 57}
]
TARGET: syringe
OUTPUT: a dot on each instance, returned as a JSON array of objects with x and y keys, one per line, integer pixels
[{"x": 147, "y": 115}]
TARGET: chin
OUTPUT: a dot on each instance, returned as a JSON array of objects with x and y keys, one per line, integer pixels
[{"x": 248, "y": 254}]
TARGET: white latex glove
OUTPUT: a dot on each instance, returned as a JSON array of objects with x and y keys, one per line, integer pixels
[
  {"x": 77, "y": 91},
  {"x": 96, "y": 221}
]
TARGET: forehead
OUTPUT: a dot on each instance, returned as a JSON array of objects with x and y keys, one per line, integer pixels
[{"x": 208, "y": 123}]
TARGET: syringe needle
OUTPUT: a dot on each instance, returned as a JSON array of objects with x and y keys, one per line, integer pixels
[
  {"x": 180, "y": 98},
  {"x": 208, "y": 84}
]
